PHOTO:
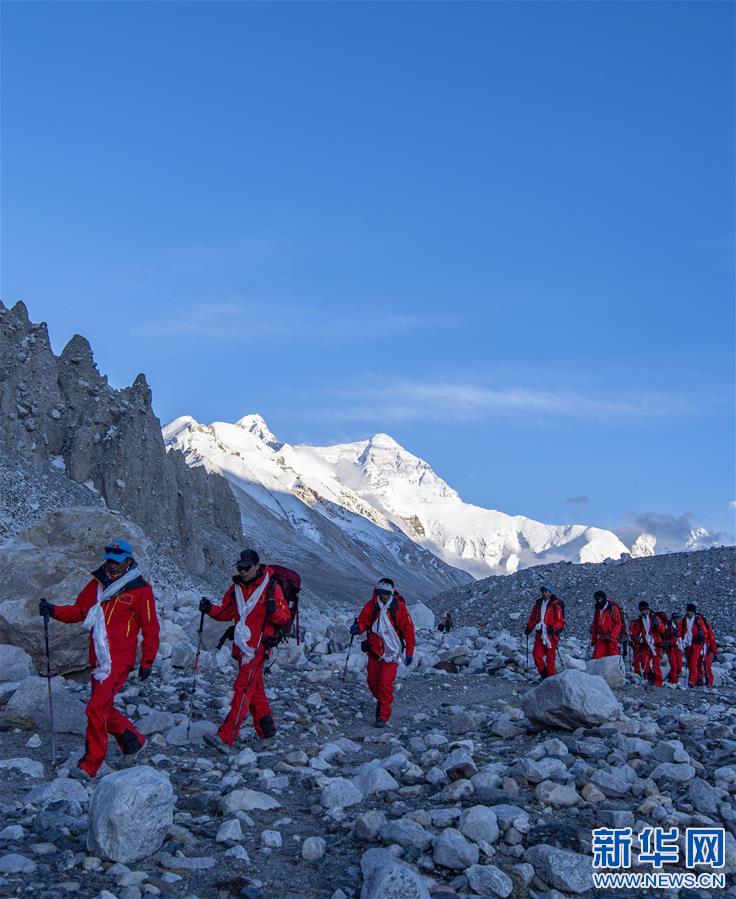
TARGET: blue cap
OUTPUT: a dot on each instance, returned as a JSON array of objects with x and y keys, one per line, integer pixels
[
  {"x": 119, "y": 551},
  {"x": 548, "y": 589}
]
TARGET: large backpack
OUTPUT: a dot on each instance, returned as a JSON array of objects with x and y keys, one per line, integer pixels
[
  {"x": 290, "y": 582},
  {"x": 664, "y": 620}
]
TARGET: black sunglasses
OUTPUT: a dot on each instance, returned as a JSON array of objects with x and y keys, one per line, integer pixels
[{"x": 241, "y": 567}]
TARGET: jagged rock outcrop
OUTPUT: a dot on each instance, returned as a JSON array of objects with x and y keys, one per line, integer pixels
[{"x": 62, "y": 409}]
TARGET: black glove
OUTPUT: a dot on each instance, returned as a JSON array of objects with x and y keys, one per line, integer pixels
[
  {"x": 354, "y": 629},
  {"x": 45, "y": 608},
  {"x": 144, "y": 673},
  {"x": 205, "y": 605},
  {"x": 409, "y": 660},
  {"x": 270, "y": 642},
  {"x": 528, "y": 630},
  {"x": 270, "y": 605}
]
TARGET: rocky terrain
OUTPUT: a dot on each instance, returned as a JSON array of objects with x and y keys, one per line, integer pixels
[
  {"x": 61, "y": 410},
  {"x": 669, "y": 582},
  {"x": 484, "y": 784}
]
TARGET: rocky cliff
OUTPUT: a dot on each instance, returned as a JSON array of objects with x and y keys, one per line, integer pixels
[{"x": 61, "y": 410}]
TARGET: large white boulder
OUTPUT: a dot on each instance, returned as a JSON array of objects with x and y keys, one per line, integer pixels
[
  {"x": 54, "y": 558},
  {"x": 570, "y": 700},
  {"x": 610, "y": 668},
  {"x": 386, "y": 877},
  {"x": 130, "y": 814}
]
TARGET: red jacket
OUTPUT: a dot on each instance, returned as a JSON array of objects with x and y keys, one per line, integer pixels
[
  {"x": 608, "y": 623},
  {"x": 638, "y": 632},
  {"x": 126, "y": 615},
  {"x": 702, "y": 632},
  {"x": 258, "y": 620},
  {"x": 554, "y": 617},
  {"x": 400, "y": 618}
]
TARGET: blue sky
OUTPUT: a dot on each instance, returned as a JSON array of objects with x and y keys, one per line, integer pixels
[{"x": 501, "y": 232}]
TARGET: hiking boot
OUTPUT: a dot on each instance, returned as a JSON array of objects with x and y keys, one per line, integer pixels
[
  {"x": 216, "y": 743},
  {"x": 77, "y": 773},
  {"x": 130, "y": 743},
  {"x": 380, "y": 722},
  {"x": 267, "y": 727}
]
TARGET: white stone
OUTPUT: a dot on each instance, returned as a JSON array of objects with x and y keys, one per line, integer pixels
[
  {"x": 341, "y": 793},
  {"x": 313, "y": 849},
  {"x": 386, "y": 877},
  {"x": 610, "y": 668},
  {"x": 452, "y": 850},
  {"x": 479, "y": 824},
  {"x": 570, "y": 700},
  {"x": 130, "y": 814},
  {"x": 422, "y": 616},
  {"x": 246, "y": 801},
  {"x": 15, "y": 663},
  {"x": 26, "y": 766}
]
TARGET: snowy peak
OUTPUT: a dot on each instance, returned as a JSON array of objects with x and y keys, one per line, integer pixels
[
  {"x": 379, "y": 494},
  {"x": 255, "y": 424}
]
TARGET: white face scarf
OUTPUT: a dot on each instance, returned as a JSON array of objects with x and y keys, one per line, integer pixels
[
  {"x": 245, "y": 607},
  {"x": 689, "y": 631},
  {"x": 95, "y": 622},
  {"x": 540, "y": 627},
  {"x": 387, "y": 632},
  {"x": 648, "y": 632}
]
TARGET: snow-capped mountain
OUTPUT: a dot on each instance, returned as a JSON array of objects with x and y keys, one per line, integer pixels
[
  {"x": 294, "y": 508},
  {"x": 647, "y": 544},
  {"x": 378, "y": 497}
]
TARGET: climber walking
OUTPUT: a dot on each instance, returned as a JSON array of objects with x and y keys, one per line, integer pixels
[
  {"x": 390, "y": 629},
  {"x": 672, "y": 644},
  {"x": 699, "y": 642},
  {"x": 647, "y": 632},
  {"x": 608, "y": 622},
  {"x": 116, "y": 606},
  {"x": 546, "y": 621},
  {"x": 256, "y": 603}
]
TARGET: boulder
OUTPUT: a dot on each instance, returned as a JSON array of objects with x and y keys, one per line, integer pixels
[
  {"x": 15, "y": 663},
  {"x": 28, "y": 707},
  {"x": 488, "y": 880},
  {"x": 570, "y": 700},
  {"x": 130, "y": 814},
  {"x": 479, "y": 824},
  {"x": 374, "y": 778},
  {"x": 609, "y": 668},
  {"x": 406, "y": 833},
  {"x": 341, "y": 793},
  {"x": 313, "y": 849},
  {"x": 61, "y": 789},
  {"x": 452, "y": 850},
  {"x": 560, "y": 868},
  {"x": 54, "y": 558},
  {"x": 386, "y": 877},
  {"x": 246, "y": 801},
  {"x": 422, "y": 616},
  {"x": 29, "y": 767}
]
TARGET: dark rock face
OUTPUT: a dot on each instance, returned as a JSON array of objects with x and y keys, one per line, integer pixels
[{"x": 63, "y": 408}]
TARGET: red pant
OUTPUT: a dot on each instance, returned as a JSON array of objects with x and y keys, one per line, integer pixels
[
  {"x": 545, "y": 656},
  {"x": 649, "y": 665},
  {"x": 381, "y": 676},
  {"x": 103, "y": 719},
  {"x": 255, "y": 702},
  {"x": 699, "y": 665},
  {"x": 674, "y": 654},
  {"x": 604, "y": 648}
]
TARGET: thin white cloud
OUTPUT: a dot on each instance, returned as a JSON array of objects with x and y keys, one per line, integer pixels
[
  {"x": 732, "y": 504},
  {"x": 239, "y": 321},
  {"x": 399, "y": 401}
]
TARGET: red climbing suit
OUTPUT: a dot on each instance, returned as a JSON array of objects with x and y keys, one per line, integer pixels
[
  {"x": 548, "y": 633},
  {"x": 699, "y": 642},
  {"x": 269, "y": 614},
  {"x": 131, "y": 612},
  {"x": 607, "y": 625},
  {"x": 646, "y": 637},
  {"x": 382, "y": 667}
]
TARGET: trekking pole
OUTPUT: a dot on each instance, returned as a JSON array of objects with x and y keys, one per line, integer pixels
[
  {"x": 196, "y": 670},
  {"x": 559, "y": 656},
  {"x": 526, "y": 665},
  {"x": 344, "y": 670},
  {"x": 51, "y": 701}
]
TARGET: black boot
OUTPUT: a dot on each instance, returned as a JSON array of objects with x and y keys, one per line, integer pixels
[
  {"x": 130, "y": 743},
  {"x": 267, "y": 726}
]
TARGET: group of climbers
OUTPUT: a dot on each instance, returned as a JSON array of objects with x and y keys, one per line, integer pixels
[
  {"x": 650, "y": 635},
  {"x": 118, "y": 605}
]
